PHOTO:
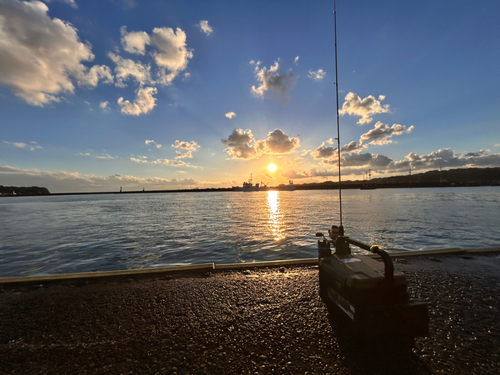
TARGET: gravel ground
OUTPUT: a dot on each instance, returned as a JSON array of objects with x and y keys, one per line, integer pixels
[{"x": 251, "y": 321}]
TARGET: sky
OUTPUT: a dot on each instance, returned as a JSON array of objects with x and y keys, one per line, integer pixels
[{"x": 101, "y": 94}]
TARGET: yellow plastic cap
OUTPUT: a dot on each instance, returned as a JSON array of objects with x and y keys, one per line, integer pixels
[{"x": 374, "y": 247}]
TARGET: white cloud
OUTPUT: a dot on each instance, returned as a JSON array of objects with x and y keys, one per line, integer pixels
[
  {"x": 97, "y": 156},
  {"x": 137, "y": 160},
  {"x": 144, "y": 102},
  {"x": 190, "y": 146},
  {"x": 151, "y": 142},
  {"x": 382, "y": 134},
  {"x": 16, "y": 144},
  {"x": 71, "y": 3},
  {"x": 241, "y": 144},
  {"x": 205, "y": 27},
  {"x": 170, "y": 54},
  {"x": 134, "y": 41},
  {"x": 296, "y": 60},
  {"x": 104, "y": 106},
  {"x": 126, "y": 68},
  {"x": 365, "y": 108},
  {"x": 32, "y": 147},
  {"x": 317, "y": 75},
  {"x": 230, "y": 114},
  {"x": 183, "y": 155},
  {"x": 272, "y": 83},
  {"x": 41, "y": 72}
]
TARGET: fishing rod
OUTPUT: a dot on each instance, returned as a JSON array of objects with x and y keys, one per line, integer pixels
[
  {"x": 341, "y": 227},
  {"x": 369, "y": 296}
]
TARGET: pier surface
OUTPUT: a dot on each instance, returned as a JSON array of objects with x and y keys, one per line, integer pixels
[{"x": 251, "y": 321}]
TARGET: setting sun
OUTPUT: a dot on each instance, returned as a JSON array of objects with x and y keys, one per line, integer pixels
[{"x": 271, "y": 167}]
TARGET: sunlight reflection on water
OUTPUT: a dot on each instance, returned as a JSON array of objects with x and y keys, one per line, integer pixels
[{"x": 59, "y": 234}]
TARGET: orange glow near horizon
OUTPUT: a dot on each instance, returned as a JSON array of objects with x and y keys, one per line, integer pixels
[{"x": 271, "y": 167}]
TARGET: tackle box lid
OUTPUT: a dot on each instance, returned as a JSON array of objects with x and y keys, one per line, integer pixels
[{"x": 358, "y": 271}]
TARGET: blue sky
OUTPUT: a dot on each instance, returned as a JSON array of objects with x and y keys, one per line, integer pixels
[{"x": 95, "y": 95}]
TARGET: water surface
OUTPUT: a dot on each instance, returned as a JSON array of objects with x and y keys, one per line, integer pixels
[{"x": 79, "y": 233}]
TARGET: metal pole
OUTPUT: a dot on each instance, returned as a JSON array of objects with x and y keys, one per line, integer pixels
[{"x": 338, "y": 118}]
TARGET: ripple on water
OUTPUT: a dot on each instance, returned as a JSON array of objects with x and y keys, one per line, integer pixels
[{"x": 110, "y": 232}]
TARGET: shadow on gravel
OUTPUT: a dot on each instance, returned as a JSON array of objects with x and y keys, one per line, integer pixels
[{"x": 380, "y": 357}]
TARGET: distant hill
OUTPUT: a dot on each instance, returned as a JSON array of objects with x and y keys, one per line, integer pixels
[{"x": 14, "y": 190}]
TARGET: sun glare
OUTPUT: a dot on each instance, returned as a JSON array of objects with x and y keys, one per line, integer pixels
[{"x": 271, "y": 167}]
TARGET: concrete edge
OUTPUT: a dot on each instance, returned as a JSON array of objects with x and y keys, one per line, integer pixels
[
  {"x": 210, "y": 267},
  {"x": 450, "y": 250},
  {"x": 483, "y": 250},
  {"x": 203, "y": 267},
  {"x": 272, "y": 263}
]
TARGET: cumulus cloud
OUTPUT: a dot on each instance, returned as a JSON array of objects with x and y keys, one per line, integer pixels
[
  {"x": 272, "y": 83},
  {"x": 151, "y": 142},
  {"x": 230, "y": 114},
  {"x": 277, "y": 142},
  {"x": 359, "y": 163},
  {"x": 242, "y": 145},
  {"x": 239, "y": 145},
  {"x": 324, "y": 152},
  {"x": 32, "y": 146},
  {"x": 134, "y": 41},
  {"x": 63, "y": 181},
  {"x": 190, "y": 146},
  {"x": 365, "y": 108},
  {"x": 353, "y": 147},
  {"x": 205, "y": 27},
  {"x": 41, "y": 72},
  {"x": 382, "y": 134},
  {"x": 126, "y": 69},
  {"x": 447, "y": 158},
  {"x": 170, "y": 53},
  {"x": 144, "y": 102},
  {"x": 317, "y": 75}
]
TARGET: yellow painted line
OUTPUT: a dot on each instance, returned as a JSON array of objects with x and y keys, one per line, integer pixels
[{"x": 204, "y": 267}]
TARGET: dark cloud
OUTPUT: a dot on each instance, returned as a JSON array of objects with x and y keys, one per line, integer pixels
[{"x": 242, "y": 145}]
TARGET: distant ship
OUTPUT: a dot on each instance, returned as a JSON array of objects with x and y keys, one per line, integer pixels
[
  {"x": 290, "y": 186},
  {"x": 249, "y": 186}
]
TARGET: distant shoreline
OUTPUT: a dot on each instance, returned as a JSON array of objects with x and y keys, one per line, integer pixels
[
  {"x": 297, "y": 187},
  {"x": 460, "y": 177}
]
